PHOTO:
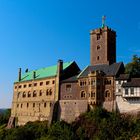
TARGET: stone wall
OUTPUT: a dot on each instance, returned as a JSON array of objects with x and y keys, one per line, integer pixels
[
  {"x": 124, "y": 106},
  {"x": 110, "y": 105},
  {"x": 70, "y": 109}
]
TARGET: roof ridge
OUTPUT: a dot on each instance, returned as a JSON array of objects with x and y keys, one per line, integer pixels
[
  {"x": 43, "y": 72},
  {"x": 82, "y": 71},
  {"x": 49, "y": 66},
  {"x": 120, "y": 63}
]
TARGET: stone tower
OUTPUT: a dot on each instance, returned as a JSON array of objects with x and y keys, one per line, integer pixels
[{"x": 102, "y": 46}]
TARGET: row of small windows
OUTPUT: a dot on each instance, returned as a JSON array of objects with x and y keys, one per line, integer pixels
[
  {"x": 67, "y": 96},
  {"x": 84, "y": 83},
  {"x": 107, "y": 82},
  {"x": 131, "y": 91},
  {"x": 83, "y": 94},
  {"x": 34, "y": 94},
  {"x": 134, "y": 99},
  {"x": 93, "y": 82},
  {"x": 35, "y": 84},
  {"x": 33, "y": 105},
  {"x": 92, "y": 95}
]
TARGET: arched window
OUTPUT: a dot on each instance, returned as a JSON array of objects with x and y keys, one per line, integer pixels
[
  {"x": 34, "y": 93},
  {"x": 98, "y": 47},
  {"x": 24, "y": 94},
  {"x": 83, "y": 94},
  {"x": 50, "y": 92},
  {"x": 29, "y": 94},
  {"x": 107, "y": 93},
  {"x": 18, "y": 94},
  {"x": 92, "y": 94},
  {"x": 47, "y": 92}
]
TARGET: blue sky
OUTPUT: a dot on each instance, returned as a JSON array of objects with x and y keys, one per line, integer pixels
[{"x": 36, "y": 33}]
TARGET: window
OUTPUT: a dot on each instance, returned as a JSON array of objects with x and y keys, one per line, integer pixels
[
  {"x": 132, "y": 91},
  {"x": 47, "y": 92},
  {"x": 29, "y": 94},
  {"x": 47, "y": 82},
  {"x": 21, "y": 105},
  {"x": 24, "y": 86},
  {"x": 53, "y": 82},
  {"x": 19, "y": 86},
  {"x": 98, "y": 47},
  {"x": 33, "y": 104},
  {"x": 83, "y": 83},
  {"x": 45, "y": 105},
  {"x": 30, "y": 85},
  {"x": 107, "y": 93},
  {"x": 34, "y": 93},
  {"x": 68, "y": 87},
  {"x": 24, "y": 95},
  {"x": 50, "y": 92},
  {"x": 93, "y": 82},
  {"x": 15, "y": 87},
  {"x": 27, "y": 105},
  {"x": 92, "y": 94},
  {"x": 107, "y": 82},
  {"x": 98, "y": 58},
  {"x": 83, "y": 94},
  {"x": 18, "y": 94},
  {"x": 17, "y": 105},
  {"x": 126, "y": 91},
  {"x": 41, "y": 83},
  {"x": 119, "y": 90},
  {"x": 35, "y": 84},
  {"x": 98, "y": 36},
  {"x": 40, "y": 93}
]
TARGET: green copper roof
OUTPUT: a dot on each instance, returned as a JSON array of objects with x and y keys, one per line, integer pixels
[{"x": 43, "y": 72}]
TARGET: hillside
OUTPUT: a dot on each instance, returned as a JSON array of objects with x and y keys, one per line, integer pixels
[{"x": 94, "y": 125}]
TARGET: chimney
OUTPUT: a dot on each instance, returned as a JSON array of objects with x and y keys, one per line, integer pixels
[
  {"x": 26, "y": 70},
  {"x": 57, "y": 87},
  {"x": 19, "y": 75},
  {"x": 59, "y": 67},
  {"x": 34, "y": 75}
]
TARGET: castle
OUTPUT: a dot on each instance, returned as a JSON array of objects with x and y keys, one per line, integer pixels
[{"x": 63, "y": 91}]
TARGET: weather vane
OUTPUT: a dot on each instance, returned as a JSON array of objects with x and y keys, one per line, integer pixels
[{"x": 103, "y": 21}]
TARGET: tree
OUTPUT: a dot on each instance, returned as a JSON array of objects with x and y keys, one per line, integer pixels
[
  {"x": 133, "y": 67},
  {"x": 4, "y": 116}
]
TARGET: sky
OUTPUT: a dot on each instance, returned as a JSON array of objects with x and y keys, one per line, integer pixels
[{"x": 36, "y": 33}]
